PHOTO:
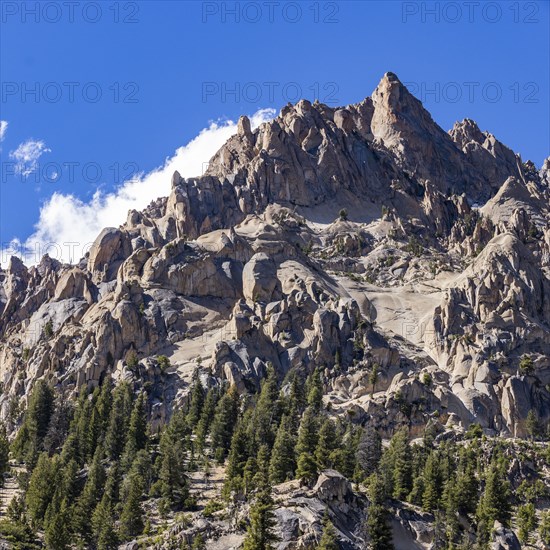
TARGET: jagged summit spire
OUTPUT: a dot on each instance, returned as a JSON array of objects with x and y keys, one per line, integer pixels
[
  {"x": 390, "y": 81},
  {"x": 392, "y": 77}
]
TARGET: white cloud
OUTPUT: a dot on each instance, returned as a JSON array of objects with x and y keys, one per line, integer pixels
[
  {"x": 26, "y": 156},
  {"x": 3, "y": 129},
  {"x": 66, "y": 219}
]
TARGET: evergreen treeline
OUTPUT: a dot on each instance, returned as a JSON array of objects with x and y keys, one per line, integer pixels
[
  {"x": 93, "y": 464},
  {"x": 285, "y": 435}
]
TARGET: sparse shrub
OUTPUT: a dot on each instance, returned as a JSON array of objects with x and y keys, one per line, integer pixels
[
  {"x": 414, "y": 246},
  {"x": 48, "y": 329},
  {"x": 474, "y": 431},
  {"x": 526, "y": 365},
  {"x": 132, "y": 360},
  {"x": 308, "y": 248},
  {"x": 389, "y": 261},
  {"x": 211, "y": 507},
  {"x": 532, "y": 425},
  {"x": 533, "y": 231},
  {"x": 163, "y": 362}
]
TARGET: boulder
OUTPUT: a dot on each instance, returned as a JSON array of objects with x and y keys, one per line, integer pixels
[{"x": 260, "y": 283}]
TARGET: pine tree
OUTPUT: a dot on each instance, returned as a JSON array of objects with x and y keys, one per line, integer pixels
[
  {"x": 4, "y": 453},
  {"x": 103, "y": 408},
  {"x": 396, "y": 465},
  {"x": 207, "y": 415},
  {"x": 115, "y": 437},
  {"x": 84, "y": 434},
  {"x": 172, "y": 483},
  {"x": 419, "y": 455},
  {"x": 69, "y": 483},
  {"x": 249, "y": 474},
  {"x": 544, "y": 527},
  {"x": 439, "y": 530},
  {"x": 42, "y": 485},
  {"x": 197, "y": 401},
  {"x": 57, "y": 535},
  {"x": 131, "y": 518},
  {"x": 314, "y": 388},
  {"x": 308, "y": 433},
  {"x": 17, "y": 525},
  {"x": 432, "y": 483},
  {"x": 94, "y": 424},
  {"x": 224, "y": 422},
  {"x": 40, "y": 409},
  {"x": 90, "y": 496},
  {"x": 260, "y": 535},
  {"x": 430, "y": 432},
  {"x": 17, "y": 510},
  {"x": 283, "y": 459},
  {"x": 306, "y": 469},
  {"x": 417, "y": 491},
  {"x": 327, "y": 444},
  {"x": 378, "y": 527},
  {"x": 328, "y": 540},
  {"x": 402, "y": 464},
  {"x": 373, "y": 376},
  {"x": 495, "y": 501},
  {"x": 447, "y": 453},
  {"x": 297, "y": 399},
  {"x": 238, "y": 456},
  {"x": 532, "y": 425},
  {"x": 266, "y": 412},
  {"x": 526, "y": 521},
  {"x": 450, "y": 502},
  {"x": 59, "y": 424},
  {"x": 29, "y": 441},
  {"x": 104, "y": 531},
  {"x": 467, "y": 485},
  {"x": 344, "y": 457},
  {"x": 137, "y": 438},
  {"x": 369, "y": 451},
  {"x": 113, "y": 483},
  {"x": 305, "y": 446},
  {"x": 177, "y": 431},
  {"x": 70, "y": 450},
  {"x": 143, "y": 466}
]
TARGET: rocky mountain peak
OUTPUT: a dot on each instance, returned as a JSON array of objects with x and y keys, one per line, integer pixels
[
  {"x": 466, "y": 131},
  {"x": 392, "y": 95},
  {"x": 402, "y": 270},
  {"x": 295, "y": 233}
]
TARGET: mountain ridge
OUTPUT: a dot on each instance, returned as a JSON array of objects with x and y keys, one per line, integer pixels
[
  {"x": 396, "y": 273},
  {"x": 366, "y": 156}
]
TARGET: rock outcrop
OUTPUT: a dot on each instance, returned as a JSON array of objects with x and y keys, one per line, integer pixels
[{"x": 333, "y": 238}]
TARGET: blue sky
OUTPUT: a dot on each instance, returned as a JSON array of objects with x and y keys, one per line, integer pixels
[{"x": 99, "y": 94}]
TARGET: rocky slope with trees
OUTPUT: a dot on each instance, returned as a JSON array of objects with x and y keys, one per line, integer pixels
[{"x": 337, "y": 337}]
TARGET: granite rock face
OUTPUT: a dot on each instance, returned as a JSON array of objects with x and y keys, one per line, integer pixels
[{"x": 337, "y": 238}]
